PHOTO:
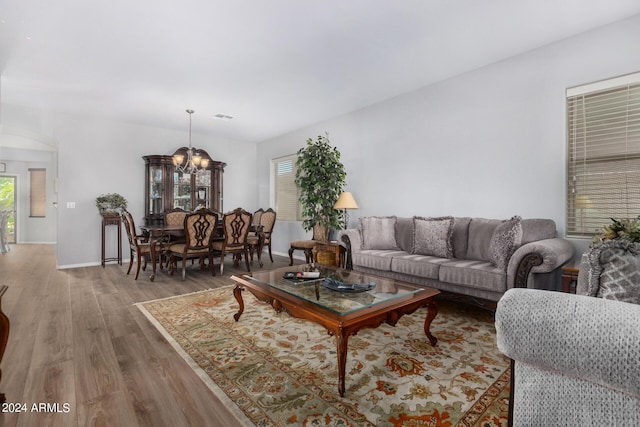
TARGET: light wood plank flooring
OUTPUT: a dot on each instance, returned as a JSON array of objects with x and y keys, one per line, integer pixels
[{"x": 77, "y": 340}]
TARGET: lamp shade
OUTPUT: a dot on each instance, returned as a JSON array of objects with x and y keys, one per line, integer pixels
[{"x": 346, "y": 201}]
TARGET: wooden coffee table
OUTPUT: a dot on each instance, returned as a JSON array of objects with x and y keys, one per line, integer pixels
[{"x": 342, "y": 313}]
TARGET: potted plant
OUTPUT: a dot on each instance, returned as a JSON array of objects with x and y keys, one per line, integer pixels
[
  {"x": 623, "y": 229},
  {"x": 320, "y": 176},
  {"x": 110, "y": 204}
]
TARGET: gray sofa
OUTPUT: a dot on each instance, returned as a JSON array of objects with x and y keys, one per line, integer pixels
[{"x": 475, "y": 257}]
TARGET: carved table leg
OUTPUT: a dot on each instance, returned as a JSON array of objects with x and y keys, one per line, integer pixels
[
  {"x": 432, "y": 311},
  {"x": 237, "y": 292},
  {"x": 342, "y": 341}
]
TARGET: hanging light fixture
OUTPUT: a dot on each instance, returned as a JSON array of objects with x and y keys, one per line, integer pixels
[{"x": 188, "y": 160}]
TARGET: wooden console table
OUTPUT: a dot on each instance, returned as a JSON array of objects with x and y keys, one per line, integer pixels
[{"x": 107, "y": 221}]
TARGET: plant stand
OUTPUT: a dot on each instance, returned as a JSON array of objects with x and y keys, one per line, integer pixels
[{"x": 107, "y": 221}]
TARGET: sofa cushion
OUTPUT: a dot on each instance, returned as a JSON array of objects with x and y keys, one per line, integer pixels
[
  {"x": 504, "y": 242},
  {"x": 404, "y": 233},
  {"x": 379, "y": 232},
  {"x": 534, "y": 229},
  {"x": 424, "y": 266},
  {"x": 480, "y": 233},
  {"x": 460, "y": 237},
  {"x": 432, "y": 236},
  {"x": 476, "y": 274},
  {"x": 378, "y": 259},
  {"x": 614, "y": 271}
]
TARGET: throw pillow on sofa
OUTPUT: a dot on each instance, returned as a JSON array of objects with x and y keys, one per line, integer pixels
[
  {"x": 432, "y": 236},
  {"x": 379, "y": 232},
  {"x": 614, "y": 271},
  {"x": 505, "y": 240}
]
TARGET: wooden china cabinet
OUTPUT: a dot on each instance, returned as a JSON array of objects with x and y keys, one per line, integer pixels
[{"x": 166, "y": 189}]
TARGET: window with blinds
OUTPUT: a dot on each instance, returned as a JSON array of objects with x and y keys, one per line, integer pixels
[
  {"x": 38, "y": 193},
  {"x": 286, "y": 191},
  {"x": 604, "y": 154}
]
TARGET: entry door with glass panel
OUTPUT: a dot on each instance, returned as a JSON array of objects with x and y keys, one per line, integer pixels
[{"x": 8, "y": 206}]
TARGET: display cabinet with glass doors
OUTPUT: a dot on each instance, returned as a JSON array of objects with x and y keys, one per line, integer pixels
[{"x": 166, "y": 188}]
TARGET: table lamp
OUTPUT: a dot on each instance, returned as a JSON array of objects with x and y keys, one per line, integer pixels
[{"x": 346, "y": 201}]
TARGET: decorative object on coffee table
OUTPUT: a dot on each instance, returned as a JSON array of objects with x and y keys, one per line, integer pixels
[{"x": 320, "y": 176}]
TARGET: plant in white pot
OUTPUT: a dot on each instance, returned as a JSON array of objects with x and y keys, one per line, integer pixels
[{"x": 320, "y": 176}]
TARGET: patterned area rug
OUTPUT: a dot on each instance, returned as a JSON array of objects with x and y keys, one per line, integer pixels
[{"x": 274, "y": 370}]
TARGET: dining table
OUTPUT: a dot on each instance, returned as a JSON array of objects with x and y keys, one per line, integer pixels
[{"x": 160, "y": 233}]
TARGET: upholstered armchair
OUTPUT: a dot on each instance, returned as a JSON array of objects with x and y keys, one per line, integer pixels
[{"x": 576, "y": 358}]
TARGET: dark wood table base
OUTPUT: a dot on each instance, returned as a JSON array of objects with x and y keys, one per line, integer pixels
[{"x": 342, "y": 330}]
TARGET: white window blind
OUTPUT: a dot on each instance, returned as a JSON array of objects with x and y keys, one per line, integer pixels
[
  {"x": 604, "y": 156},
  {"x": 286, "y": 191},
  {"x": 38, "y": 192}
]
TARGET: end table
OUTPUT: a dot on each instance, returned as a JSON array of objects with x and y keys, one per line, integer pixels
[
  {"x": 569, "y": 279},
  {"x": 329, "y": 253}
]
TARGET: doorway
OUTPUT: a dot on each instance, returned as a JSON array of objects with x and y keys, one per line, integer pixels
[{"x": 8, "y": 205}]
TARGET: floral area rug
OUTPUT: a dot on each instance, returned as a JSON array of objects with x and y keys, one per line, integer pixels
[{"x": 271, "y": 369}]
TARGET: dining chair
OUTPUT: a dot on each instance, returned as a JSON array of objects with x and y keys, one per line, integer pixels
[
  {"x": 264, "y": 231},
  {"x": 236, "y": 226},
  {"x": 138, "y": 244},
  {"x": 175, "y": 216},
  {"x": 255, "y": 220},
  {"x": 200, "y": 230}
]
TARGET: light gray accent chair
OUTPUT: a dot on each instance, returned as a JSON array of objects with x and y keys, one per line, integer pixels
[{"x": 576, "y": 358}]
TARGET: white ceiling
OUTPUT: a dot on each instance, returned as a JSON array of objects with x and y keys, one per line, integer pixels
[{"x": 275, "y": 65}]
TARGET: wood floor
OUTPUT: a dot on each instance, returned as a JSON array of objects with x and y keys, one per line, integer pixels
[{"x": 78, "y": 341}]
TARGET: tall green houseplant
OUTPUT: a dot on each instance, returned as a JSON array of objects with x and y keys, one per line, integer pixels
[{"x": 320, "y": 176}]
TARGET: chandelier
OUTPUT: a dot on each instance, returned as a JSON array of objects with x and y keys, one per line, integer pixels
[{"x": 188, "y": 160}]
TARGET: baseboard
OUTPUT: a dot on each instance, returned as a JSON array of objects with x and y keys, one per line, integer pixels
[{"x": 86, "y": 264}]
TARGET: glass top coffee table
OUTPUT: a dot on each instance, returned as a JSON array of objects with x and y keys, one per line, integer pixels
[{"x": 344, "y": 304}]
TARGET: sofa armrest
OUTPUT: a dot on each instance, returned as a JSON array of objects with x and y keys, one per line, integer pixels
[
  {"x": 352, "y": 241},
  {"x": 542, "y": 256},
  {"x": 593, "y": 339}
]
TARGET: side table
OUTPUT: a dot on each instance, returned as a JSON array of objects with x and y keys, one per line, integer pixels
[
  {"x": 107, "y": 221},
  {"x": 569, "y": 279},
  {"x": 329, "y": 253}
]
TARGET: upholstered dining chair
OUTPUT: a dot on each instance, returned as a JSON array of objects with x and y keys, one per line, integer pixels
[
  {"x": 306, "y": 245},
  {"x": 200, "y": 230},
  {"x": 236, "y": 226},
  {"x": 255, "y": 220},
  {"x": 264, "y": 231},
  {"x": 174, "y": 216},
  {"x": 138, "y": 244}
]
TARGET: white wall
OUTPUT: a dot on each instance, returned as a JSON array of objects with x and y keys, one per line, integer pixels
[
  {"x": 97, "y": 156},
  {"x": 490, "y": 143},
  {"x": 18, "y": 162}
]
